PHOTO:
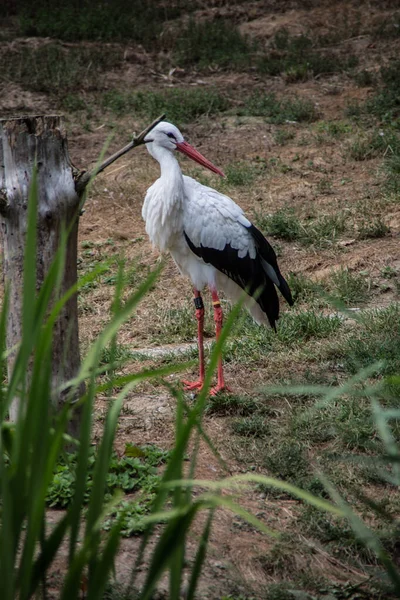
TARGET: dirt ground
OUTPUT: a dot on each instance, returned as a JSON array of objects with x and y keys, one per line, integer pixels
[{"x": 320, "y": 179}]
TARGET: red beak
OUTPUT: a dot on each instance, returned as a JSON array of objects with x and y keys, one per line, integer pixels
[{"x": 192, "y": 153}]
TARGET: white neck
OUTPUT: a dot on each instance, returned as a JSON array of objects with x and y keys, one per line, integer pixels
[
  {"x": 171, "y": 173},
  {"x": 163, "y": 205}
]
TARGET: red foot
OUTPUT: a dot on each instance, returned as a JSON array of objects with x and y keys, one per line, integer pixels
[
  {"x": 219, "y": 388},
  {"x": 189, "y": 386}
]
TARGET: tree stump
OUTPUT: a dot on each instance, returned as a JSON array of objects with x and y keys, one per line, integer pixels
[{"x": 24, "y": 141}]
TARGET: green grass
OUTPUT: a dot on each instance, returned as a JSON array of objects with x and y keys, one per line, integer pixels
[
  {"x": 283, "y": 224},
  {"x": 300, "y": 327},
  {"x": 57, "y": 70},
  {"x": 175, "y": 325},
  {"x": 374, "y": 144},
  {"x": 254, "y": 344},
  {"x": 241, "y": 173},
  {"x": 231, "y": 404},
  {"x": 319, "y": 232},
  {"x": 138, "y": 21},
  {"x": 334, "y": 129},
  {"x": 277, "y": 111},
  {"x": 185, "y": 105},
  {"x": 325, "y": 230},
  {"x": 387, "y": 27},
  {"x": 298, "y": 58},
  {"x": 376, "y": 338},
  {"x": 283, "y": 136},
  {"x": 373, "y": 229},
  {"x": 385, "y": 104},
  {"x": 212, "y": 43},
  {"x": 180, "y": 105},
  {"x": 348, "y": 286},
  {"x": 347, "y": 424},
  {"x": 303, "y": 289}
]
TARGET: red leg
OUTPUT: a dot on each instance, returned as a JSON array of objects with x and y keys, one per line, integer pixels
[
  {"x": 198, "y": 302},
  {"x": 218, "y": 317}
]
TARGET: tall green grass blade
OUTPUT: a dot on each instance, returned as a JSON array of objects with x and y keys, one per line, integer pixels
[
  {"x": 223, "y": 501},
  {"x": 8, "y": 534},
  {"x": 81, "y": 468},
  {"x": 96, "y": 501},
  {"x": 172, "y": 537},
  {"x": 386, "y": 434},
  {"x": 235, "y": 482},
  {"x": 99, "y": 578},
  {"x": 365, "y": 535},
  {"x": 200, "y": 557},
  {"x": 38, "y": 419},
  {"x": 48, "y": 552}
]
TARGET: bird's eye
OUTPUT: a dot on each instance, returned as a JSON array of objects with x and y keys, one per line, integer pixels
[{"x": 171, "y": 135}]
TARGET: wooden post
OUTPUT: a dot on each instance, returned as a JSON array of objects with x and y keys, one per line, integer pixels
[
  {"x": 24, "y": 141},
  {"x": 42, "y": 140}
]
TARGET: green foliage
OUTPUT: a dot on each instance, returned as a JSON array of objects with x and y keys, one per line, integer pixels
[
  {"x": 385, "y": 104},
  {"x": 319, "y": 232},
  {"x": 218, "y": 42},
  {"x": 138, "y": 20},
  {"x": 377, "y": 337},
  {"x": 240, "y": 174},
  {"x": 346, "y": 423},
  {"x": 277, "y": 111},
  {"x": 55, "y": 69},
  {"x": 297, "y": 58},
  {"x": 230, "y": 404},
  {"x": 333, "y": 129},
  {"x": 364, "y": 78},
  {"x": 302, "y": 326},
  {"x": 283, "y": 224},
  {"x": 175, "y": 325},
  {"x": 324, "y": 230},
  {"x": 125, "y": 473},
  {"x": 350, "y": 287},
  {"x": 303, "y": 289},
  {"x": 373, "y": 230},
  {"x": 252, "y": 426},
  {"x": 288, "y": 461},
  {"x": 387, "y": 27},
  {"x": 377, "y": 143},
  {"x": 180, "y": 106},
  {"x": 283, "y": 136},
  {"x": 392, "y": 169}
]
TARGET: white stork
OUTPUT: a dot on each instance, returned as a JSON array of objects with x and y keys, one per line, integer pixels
[{"x": 210, "y": 240}]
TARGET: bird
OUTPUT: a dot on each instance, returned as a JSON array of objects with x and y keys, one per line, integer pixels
[{"x": 211, "y": 241}]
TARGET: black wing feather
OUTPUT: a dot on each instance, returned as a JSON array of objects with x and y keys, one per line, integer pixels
[
  {"x": 268, "y": 254},
  {"x": 249, "y": 273}
]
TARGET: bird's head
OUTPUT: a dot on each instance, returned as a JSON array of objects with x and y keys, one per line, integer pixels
[{"x": 167, "y": 136}]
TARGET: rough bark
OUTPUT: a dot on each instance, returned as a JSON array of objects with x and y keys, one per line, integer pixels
[{"x": 22, "y": 142}]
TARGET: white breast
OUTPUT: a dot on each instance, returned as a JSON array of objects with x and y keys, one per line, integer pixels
[{"x": 163, "y": 214}]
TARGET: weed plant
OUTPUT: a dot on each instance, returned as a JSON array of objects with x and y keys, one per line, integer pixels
[
  {"x": 319, "y": 232},
  {"x": 181, "y": 106},
  {"x": 56, "y": 70},
  {"x": 138, "y": 20},
  {"x": 298, "y": 59},
  {"x": 213, "y": 43}
]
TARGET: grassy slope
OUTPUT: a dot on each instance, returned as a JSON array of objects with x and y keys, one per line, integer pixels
[{"x": 315, "y": 162}]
